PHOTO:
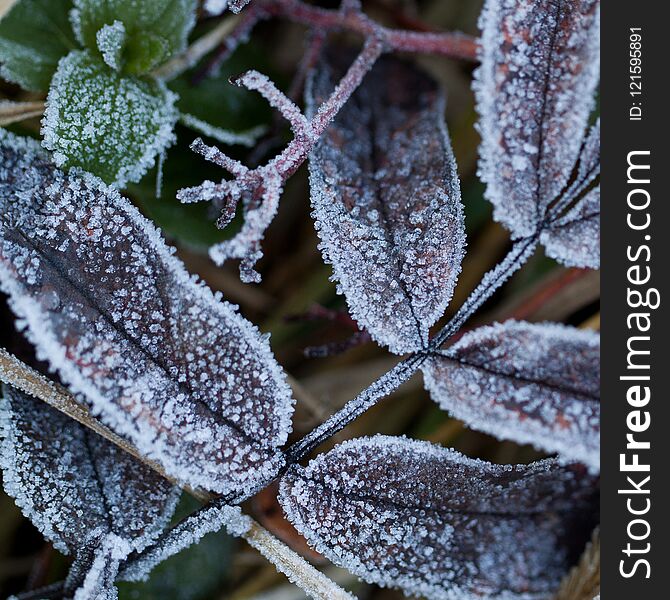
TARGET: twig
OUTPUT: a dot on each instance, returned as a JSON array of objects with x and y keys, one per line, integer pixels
[
  {"x": 239, "y": 34},
  {"x": 583, "y": 581},
  {"x": 6, "y": 6},
  {"x": 348, "y": 18},
  {"x": 312, "y": 581},
  {"x": 13, "y": 112},
  {"x": 244, "y": 138},
  {"x": 197, "y": 50},
  {"x": 261, "y": 188}
]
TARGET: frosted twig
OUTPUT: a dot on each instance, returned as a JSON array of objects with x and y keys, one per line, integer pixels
[
  {"x": 244, "y": 138},
  {"x": 520, "y": 252},
  {"x": 19, "y": 375},
  {"x": 456, "y": 45},
  {"x": 261, "y": 188},
  {"x": 239, "y": 34},
  {"x": 348, "y": 17},
  {"x": 312, "y": 581},
  {"x": 214, "y": 516},
  {"x": 253, "y": 80}
]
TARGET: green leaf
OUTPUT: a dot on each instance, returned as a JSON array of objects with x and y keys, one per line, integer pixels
[
  {"x": 111, "y": 125},
  {"x": 154, "y": 29},
  {"x": 197, "y": 573},
  {"x": 34, "y": 35}
]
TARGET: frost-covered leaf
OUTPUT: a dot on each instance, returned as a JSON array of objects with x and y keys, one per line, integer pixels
[
  {"x": 154, "y": 30},
  {"x": 386, "y": 201},
  {"x": 534, "y": 89},
  {"x": 34, "y": 35},
  {"x": 77, "y": 488},
  {"x": 111, "y": 125},
  {"x": 574, "y": 239},
  {"x": 165, "y": 362},
  {"x": 111, "y": 40},
  {"x": 71, "y": 482},
  {"x": 531, "y": 383},
  {"x": 409, "y": 514}
]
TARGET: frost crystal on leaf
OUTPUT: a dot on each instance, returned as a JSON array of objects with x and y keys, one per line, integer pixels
[
  {"x": 111, "y": 39},
  {"x": 106, "y": 123},
  {"x": 77, "y": 488},
  {"x": 166, "y": 363},
  {"x": 534, "y": 90},
  {"x": 386, "y": 200},
  {"x": 531, "y": 383},
  {"x": 409, "y": 514}
]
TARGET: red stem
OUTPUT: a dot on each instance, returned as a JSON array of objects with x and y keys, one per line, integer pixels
[{"x": 456, "y": 45}]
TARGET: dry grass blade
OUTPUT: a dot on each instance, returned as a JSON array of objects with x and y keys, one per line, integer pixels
[
  {"x": 13, "y": 112},
  {"x": 583, "y": 581}
]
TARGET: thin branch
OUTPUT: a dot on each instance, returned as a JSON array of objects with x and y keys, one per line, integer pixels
[
  {"x": 13, "y": 112},
  {"x": 243, "y": 138},
  {"x": 6, "y": 6},
  {"x": 455, "y": 45},
  {"x": 261, "y": 188},
  {"x": 238, "y": 35},
  {"x": 312, "y": 581},
  {"x": 253, "y": 80},
  {"x": 197, "y": 50}
]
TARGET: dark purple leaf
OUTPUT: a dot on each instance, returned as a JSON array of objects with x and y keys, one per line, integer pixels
[
  {"x": 574, "y": 238},
  {"x": 539, "y": 68},
  {"x": 386, "y": 201},
  {"x": 531, "y": 383},
  {"x": 77, "y": 488},
  {"x": 165, "y": 362},
  {"x": 409, "y": 514}
]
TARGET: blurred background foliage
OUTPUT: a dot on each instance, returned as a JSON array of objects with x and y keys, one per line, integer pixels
[{"x": 294, "y": 281}]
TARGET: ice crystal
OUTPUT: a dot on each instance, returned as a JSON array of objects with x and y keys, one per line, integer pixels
[
  {"x": 77, "y": 488},
  {"x": 386, "y": 200},
  {"x": 534, "y": 89},
  {"x": 531, "y": 383},
  {"x": 104, "y": 122},
  {"x": 162, "y": 360},
  {"x": 409, "y": 514}
]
